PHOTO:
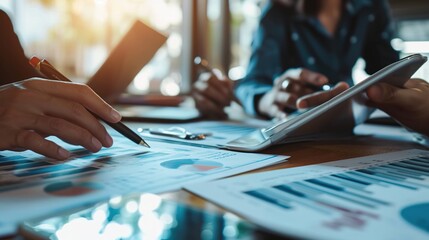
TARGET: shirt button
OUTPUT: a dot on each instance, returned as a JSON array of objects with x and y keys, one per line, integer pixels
[
  {"x": 353, "y": 40},
  {"x": 371, "y": 18},
  {"x": 311, "y": 60},
  {"x": 295, "y": 36},
  {"x": 350, "y": 7}
]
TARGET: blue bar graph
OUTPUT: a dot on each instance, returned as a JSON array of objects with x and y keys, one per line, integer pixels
[{"x": 349, "y": 192}]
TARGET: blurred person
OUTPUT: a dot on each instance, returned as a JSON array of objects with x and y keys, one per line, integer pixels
[
  {"x": 309, "y": 43},
  {"x": 301, "y": 45},
  {"x": 32, "y": 108},
  {"x": 212, "y": 92}
]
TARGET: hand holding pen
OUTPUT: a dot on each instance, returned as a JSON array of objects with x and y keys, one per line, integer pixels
[
  {"x": 213, "y": 91},
  {"x": 48, "y": 70},
  {"x": 32, "y": 109}
]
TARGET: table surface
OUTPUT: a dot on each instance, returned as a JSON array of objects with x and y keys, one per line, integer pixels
[
  {"x": 301, "y": 154},
  {"x": 307, "y": 153}
]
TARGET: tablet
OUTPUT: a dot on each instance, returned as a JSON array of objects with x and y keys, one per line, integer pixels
[{"x": 334, "y": 118}]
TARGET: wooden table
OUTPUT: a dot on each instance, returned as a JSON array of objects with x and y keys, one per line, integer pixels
[{"x": 302, "y": 154}]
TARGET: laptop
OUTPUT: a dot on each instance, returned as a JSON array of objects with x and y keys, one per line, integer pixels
[
  {"x": 130, "y": 55},
  {"x": 334, "y": 118}
]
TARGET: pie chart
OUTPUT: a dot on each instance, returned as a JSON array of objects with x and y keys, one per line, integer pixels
[
  {"x": 192, "y": 165},
  {"x": 417, "y": 215}
]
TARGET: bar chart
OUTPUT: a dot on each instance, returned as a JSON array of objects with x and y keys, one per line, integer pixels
[
  {"x": 356, "y": 187},
  {"x": 376, "y": 197}
]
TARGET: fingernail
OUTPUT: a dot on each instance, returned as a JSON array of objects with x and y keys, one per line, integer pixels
[
  {"x": 109, "y": 140},
  {"x": 96, "y": 143},
  {"x": 63, "y": 153},
  {"x": 115, "y": 115},
  {"x": 302, "y": 104}
]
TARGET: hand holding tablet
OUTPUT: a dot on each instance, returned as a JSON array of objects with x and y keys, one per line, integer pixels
[{"x": 333, "y": 118}]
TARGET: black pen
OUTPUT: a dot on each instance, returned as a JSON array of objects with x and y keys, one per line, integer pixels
[
  {"x": 49, "y": 71},
  {"x": 317, "y": 88},
  {"x": 311, "y": 86}
]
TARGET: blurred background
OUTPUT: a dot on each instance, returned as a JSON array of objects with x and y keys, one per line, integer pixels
[{"x": 77, "y": 36}]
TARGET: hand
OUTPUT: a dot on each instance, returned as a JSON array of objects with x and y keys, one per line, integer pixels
[
  {"x": 408, "y": 105},
  {"x": 287, "y": 88},
  {"x": 212, "y": 93},
  {"x": 318, "y": 98},
  {"x": 33, "y": 109}
]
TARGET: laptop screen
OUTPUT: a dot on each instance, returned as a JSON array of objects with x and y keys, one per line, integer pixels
[{"x": 134, "y": 50}]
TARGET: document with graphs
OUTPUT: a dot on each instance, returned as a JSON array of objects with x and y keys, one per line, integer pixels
[
  {"x": 382, "y": 196},
  {"x": 34, "y": 186}
]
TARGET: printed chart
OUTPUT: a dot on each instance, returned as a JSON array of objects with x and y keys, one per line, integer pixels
[
  {"x": 377, "y": 197},
  {"x": 33, "y": 186},
  {"x": 192, "y": 165}
]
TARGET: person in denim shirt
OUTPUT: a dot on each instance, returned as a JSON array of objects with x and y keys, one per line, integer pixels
[
  {"x": 303, "y": 44},
  {"x": 321, "y": 38}
]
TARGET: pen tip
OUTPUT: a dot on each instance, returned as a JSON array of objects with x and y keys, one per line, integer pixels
[{"x": 144, "y": 144}]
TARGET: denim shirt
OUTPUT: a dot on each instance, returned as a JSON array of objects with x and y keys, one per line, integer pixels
[{"x": 286, "y": 39}]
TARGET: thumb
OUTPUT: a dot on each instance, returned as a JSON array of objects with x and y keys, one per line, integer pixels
[
  {"x": 382, "y": 93},
  {"x": 386, "y": 95}
]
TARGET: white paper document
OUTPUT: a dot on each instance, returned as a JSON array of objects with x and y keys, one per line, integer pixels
[
  {"x": 34, "y": 186},
  {"x": 382, "y": 196},
  {"x": 220, "y": 132}
]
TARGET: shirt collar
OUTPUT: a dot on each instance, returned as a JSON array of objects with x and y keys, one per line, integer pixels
[
  {"x": 351, "y": 6},
  {"x": 354, "y": 6}
]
